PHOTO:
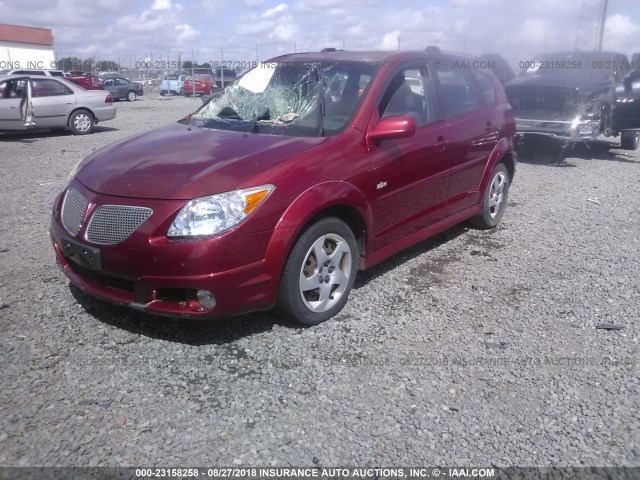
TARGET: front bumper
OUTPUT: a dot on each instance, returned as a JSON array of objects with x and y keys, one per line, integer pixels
[
  {"x": 102, "y": 114},
  {"x": 152, "y": 273},
  {"x": 572, "y": 130}
]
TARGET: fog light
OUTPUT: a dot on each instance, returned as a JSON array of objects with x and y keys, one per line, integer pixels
[{"x": 206, "y": 299}]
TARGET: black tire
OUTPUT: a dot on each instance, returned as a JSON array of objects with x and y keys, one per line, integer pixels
[
  {"x": 181, "y": 92},
  {"x": 494, "y": 199},
  {"x": 81, "y": 122},
  {"x": 630, "y": 139},
  {"x": 334, "y": 274},
  {"x": 163, "y": 93},
  {"x": 131, "y": 96}
]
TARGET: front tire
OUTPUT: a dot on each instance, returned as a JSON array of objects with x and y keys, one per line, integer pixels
[
  {"x": 81, "y": 122},
  {"x": 630, "y": 139},
  {"x": 131, "y": 96},
  {"x": 494, "y": 200},
  {"x": 319, "y": 272}
]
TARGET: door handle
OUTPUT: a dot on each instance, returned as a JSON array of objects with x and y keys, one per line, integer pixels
[{"x": 441, "y": 143}]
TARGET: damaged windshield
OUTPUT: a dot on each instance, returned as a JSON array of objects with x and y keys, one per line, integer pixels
[{"x": 289, "y": 98}]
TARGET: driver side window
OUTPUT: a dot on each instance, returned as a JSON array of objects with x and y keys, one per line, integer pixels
[
  {"x": 12, "y": 89},
  {"x": 410, "y": 94}
]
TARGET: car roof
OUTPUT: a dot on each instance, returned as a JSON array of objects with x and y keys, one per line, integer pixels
[
  {"x": 37, "y": 77},
  {"x": 370, "y": 56},
  {"x": 63, "y": 80},
  {"x": 13, "y": 77}
]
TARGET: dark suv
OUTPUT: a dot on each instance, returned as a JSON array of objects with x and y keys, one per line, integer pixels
[
  {"x": 307, "y": 169},
  {"x": 574, "y": 96}
]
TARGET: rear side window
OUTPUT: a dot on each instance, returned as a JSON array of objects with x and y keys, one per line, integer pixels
[
  {"x": 49, "y": 88},
  {"x": 56, "y": 74},
  {"x": 487, "y": 88},
  {"x": 458, "y": 91}
]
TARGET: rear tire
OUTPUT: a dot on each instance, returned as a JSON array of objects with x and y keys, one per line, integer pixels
[
  {"x": 494, "y": 199},
  {"x": 81, "y": 122},
  {"x": 319, "y": 272},
  {"x": 162, "y": 93},
  {"x": 630, "y": 139}
]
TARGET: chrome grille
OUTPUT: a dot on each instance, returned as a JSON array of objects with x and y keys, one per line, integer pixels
[
  {"x": 111, "y": 224},
  {"x": 73, "y": 208}
]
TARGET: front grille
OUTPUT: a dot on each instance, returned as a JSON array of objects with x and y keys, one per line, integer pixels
[
  {"x": 111, "y": 224},
  {"x": 73, "y": 208}
]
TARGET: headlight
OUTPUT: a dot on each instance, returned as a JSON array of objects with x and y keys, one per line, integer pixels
[{"x": 216, "y": 214}]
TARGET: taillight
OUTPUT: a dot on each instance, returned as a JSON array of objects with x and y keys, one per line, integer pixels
[{"x": 109, "y": 99}]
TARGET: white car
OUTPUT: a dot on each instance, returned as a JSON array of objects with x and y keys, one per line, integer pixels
[
  {"x": 30, "y": 102},
  {"x": 34, "y": 71}
]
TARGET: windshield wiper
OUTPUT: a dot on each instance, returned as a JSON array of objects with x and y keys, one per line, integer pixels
[{"x": 254, "y": 122}]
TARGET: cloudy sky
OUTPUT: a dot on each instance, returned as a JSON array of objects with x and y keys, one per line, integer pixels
[{"x": 243, "y": 30}]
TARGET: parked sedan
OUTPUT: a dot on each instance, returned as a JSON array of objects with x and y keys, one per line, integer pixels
[
  {"x": 121, "y": 88},
  {"x": 277, "y": 191},
  {"x": 199, "y": 84},
  {"x": 37, "y": 102}
]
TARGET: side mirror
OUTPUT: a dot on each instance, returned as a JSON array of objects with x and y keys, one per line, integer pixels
[{"x": 392, "y": 127}]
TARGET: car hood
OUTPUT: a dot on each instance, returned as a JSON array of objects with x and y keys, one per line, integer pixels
[
  {"x": 585, "y": 84},
  {"x": 183, "y": 162}
]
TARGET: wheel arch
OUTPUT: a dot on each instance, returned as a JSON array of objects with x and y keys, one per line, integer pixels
[
  {"x": 502, "y": 153},
  {"x": 329, "y": 199},
  {"x": 86, "y": 109}
]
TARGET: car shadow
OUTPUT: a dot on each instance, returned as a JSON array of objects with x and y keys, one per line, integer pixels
[
  {"x": 179, "y": 330},
  {"x": 227, "y": 330},
  {"x": 29, "y": 136},
  {"x": 556, "y": 153},
  {"x": 410, "y": 253}
]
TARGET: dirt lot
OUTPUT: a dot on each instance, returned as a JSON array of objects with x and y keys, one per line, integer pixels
[{"x": 472, "y": 348}]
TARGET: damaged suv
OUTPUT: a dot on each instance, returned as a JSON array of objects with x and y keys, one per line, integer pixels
[
  {"x": 307, "y": 169},
  {"x": 570, "y": 96}
]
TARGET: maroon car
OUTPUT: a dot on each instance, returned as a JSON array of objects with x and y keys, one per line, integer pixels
[
  {"x": 274, "y": 193},
  {"x": 86, "y": 82},
  {"x": 199, "y": 84}
]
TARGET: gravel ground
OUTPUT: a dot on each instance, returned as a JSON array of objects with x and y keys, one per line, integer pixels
[{"x": 471, "y": 349}]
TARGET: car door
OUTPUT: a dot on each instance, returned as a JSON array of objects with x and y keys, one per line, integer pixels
[
  {"x": 52, "y": 102},
  {"x": 12, "y": 94},
  {"x": 122, "y": 87},
  {"x": 409, "y": 175},
  {"x": 474, "y": 130}
]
